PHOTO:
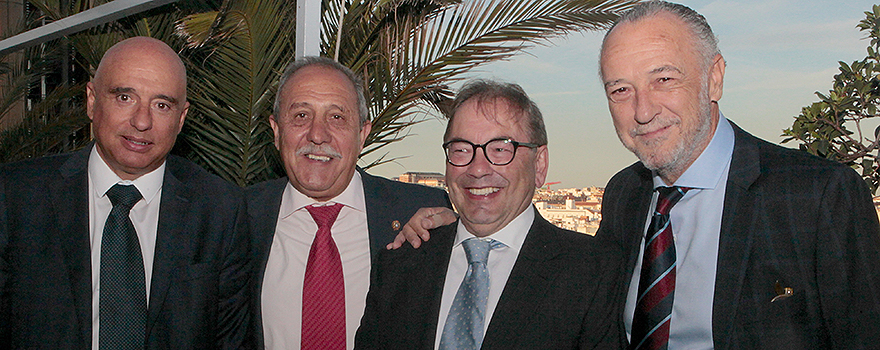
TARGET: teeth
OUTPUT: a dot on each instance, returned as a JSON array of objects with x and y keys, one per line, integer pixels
[
  {"x": 485, "y": 191},
  {"x": 318, "y": 158},
  {"x": 139, "y": 143}
]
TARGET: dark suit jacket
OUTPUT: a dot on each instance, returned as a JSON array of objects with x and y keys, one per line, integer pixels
[
  {"x": 387, "y": 201},
  {"x": 561, "y": 294},
  {"x": 198, "y": 295},
  {"x": 789, "y": 217}
]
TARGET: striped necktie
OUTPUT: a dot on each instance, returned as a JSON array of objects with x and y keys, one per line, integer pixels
[{"x": 650, "y": 329}]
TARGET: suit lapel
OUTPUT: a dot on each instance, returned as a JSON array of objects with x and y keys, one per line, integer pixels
[
  {"x": 380, "y": 203},
  {"x": 172, "y": 242},
  {"x": 636, "y": 205},
  {"x": 263, "y": 208},
  {"x": 431, "y": 264},
  {"x": 263, "y": 217},
  {"x": 736, "y": 235},
  {"x": 535, "y": 267},
  {"x": 71, "y": 210}
]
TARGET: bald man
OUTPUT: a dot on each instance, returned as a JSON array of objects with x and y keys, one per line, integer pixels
[{"x": 119, "y": 245}]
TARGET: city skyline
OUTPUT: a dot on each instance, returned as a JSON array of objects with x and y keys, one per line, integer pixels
[{"x": 779, "y": 53}]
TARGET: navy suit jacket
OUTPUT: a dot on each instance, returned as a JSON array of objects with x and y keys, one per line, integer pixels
[
  {"x": 790, "y": 217},
  {"x": 561, "y": 294},
  {"x": 198, "y": 295},
  {"x": 387, "y": 201}
]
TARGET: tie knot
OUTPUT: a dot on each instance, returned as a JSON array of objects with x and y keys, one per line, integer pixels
[
  {"x": 667, "y": 197},
  {"x": 324, "y": 215},
  {"x": 123, "y": 195},
  {"x": 477, "y": 250}
]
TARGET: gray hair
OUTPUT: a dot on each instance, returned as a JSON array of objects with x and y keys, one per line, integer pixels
[
  {"x": 707, "y": 43},
  {"x": 293, "y": 67},
  {"x": 487, "y": 90}
]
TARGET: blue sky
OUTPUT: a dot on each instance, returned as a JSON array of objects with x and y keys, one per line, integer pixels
[{"x": 778, "y": 52}]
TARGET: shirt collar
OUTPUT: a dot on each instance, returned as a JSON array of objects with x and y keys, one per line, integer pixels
[
  {"x": 103, "y": 178},
  {"x": 512, "y": 235},
  {"x": 352, "y": 197},
  {"x": 707, "y": 171}
]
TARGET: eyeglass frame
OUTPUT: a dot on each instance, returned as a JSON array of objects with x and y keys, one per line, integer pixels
[{"x": 516, "y": 145}]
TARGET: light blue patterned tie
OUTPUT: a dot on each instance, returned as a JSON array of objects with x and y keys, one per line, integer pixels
[{"x": 465, "y": 323}]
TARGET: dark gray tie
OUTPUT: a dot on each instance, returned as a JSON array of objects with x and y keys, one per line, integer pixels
[{"x": 123, "y": 301}]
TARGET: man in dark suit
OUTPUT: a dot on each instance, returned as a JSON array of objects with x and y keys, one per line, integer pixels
[
  {"x": 187, "y": 231},
  {"x": 320, "y": 124},
  {"x": 774, "y": 248},
  {"x": 536, "y": 286}
]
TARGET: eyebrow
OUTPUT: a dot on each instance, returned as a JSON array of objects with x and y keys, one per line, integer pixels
[
  {"x": 120, "y": 90},
  {"x": 666, "y": 68},
  {"x": 612, "y": 83},
  {"x": 661, "y": 69},
  {"x": 306, "y": 104}
]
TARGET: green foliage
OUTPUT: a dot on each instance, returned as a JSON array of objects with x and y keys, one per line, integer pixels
[
  {"x": 842, "y": 126},
  {"x": 56, "y": 121},
  {"x": 408, "y": 52}
]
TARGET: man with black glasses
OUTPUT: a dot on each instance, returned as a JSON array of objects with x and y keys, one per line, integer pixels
[{"x": 502, "y": 276}]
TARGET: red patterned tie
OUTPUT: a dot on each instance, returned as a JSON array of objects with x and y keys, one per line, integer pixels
[
  {"x": 323, "y": 313},
  {"x": 650, "y": 329}
]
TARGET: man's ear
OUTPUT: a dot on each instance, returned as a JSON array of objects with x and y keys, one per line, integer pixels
[
  {"x": 91, "y": 96},
  {"x": 542, "y": 163},
  {"x": 365, "y": 131},
  {"x": 183, "y": 116},
  {"x": 276, "y": 131},
  {"x": 716, "y": 78}
]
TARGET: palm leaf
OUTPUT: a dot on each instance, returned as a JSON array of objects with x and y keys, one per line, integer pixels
[
  {"x": 409, "y": 52},
  {"x": 234, "y": 57}
]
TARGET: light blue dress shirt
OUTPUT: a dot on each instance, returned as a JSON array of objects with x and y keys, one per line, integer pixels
[{"x": 696, "y": 226}]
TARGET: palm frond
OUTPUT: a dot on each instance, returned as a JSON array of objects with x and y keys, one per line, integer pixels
[
  {"x": 234, "y": 57},
  {"x": 419, "y": 60}
]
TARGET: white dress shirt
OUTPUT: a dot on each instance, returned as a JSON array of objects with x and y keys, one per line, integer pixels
[
  {"x": 144, "y": 216},
  {"x": 286, "y": 267},
  {"x": 501, "y": 261},
  {"x": 696, "y": 227}
]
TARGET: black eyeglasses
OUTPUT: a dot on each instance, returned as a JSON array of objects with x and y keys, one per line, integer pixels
[{"x": 497, "y": 151}]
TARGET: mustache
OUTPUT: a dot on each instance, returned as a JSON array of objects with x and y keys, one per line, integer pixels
[
  {"x": 653, "y": 126},
  {"x": 326, "y": 150}
]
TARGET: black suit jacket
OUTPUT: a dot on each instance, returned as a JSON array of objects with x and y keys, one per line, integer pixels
[
  {"x": 561, "y": 294},
  {"x": 387, "y": 201},
  {"x": 198, "y": 294},
  {"x": 790, "y": 217}
]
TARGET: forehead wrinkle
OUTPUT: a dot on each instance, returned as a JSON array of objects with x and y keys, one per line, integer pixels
[
  {"x": 309, "y": 105},
  {"x": 665, "y": 68}
]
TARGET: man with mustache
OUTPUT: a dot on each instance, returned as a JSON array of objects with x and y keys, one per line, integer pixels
[
  {"x": 503, "y": 277},
  {"x": 316, "y": 231},
  {"x": 772, "y": 248}
]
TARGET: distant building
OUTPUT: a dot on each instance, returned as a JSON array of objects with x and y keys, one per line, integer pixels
[
  {"x": 428, "y": 179},
  {"x": 579, "y": 216},
  {"x": 576, "y": 209}
]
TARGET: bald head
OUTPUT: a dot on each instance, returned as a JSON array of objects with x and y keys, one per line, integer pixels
[
  {"x": 137, "y": 104},
  {"x": 140, "y": 50}
]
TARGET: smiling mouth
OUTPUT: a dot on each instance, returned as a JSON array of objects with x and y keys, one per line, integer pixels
[
  {"x": 318, "y": 157},
  {"x": 139, "y": 143},
  {"x": 485, "y": 191}
]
